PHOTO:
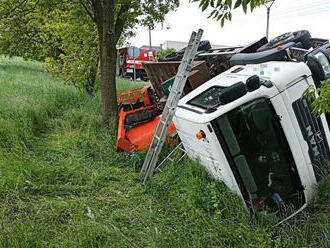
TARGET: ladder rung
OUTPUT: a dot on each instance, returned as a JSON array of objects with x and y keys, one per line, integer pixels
[
  {"x": 170, "y": 107},
  {"x": 175, "y": 92}
]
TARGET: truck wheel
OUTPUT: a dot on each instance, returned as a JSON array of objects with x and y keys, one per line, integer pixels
[
  {"x": 204, "y": 45},
  {"x": 302, "y": 36}
]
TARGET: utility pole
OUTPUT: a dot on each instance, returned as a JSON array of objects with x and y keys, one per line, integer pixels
[
  {"x": 150, "y": 46},
  {"x": 270, "y": 4}
]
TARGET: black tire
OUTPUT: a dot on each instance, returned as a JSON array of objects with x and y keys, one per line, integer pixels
[
  {"x": 204, "y": 45},
  {"x": 302, "y": 36}
]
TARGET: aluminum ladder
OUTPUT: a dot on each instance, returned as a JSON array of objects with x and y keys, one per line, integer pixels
[
  {"x": 169, "y": 109},
  {"x": 180, "y": 148}
]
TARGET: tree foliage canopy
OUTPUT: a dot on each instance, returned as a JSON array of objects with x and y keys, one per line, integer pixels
[
  {"x": 64, "y": 34},
  {"x": 74, "y": 38},
  {"x": 221, "y": 10},
  {"x": 59, "y": 33}
]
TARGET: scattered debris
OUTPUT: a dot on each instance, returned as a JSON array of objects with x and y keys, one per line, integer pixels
[{"x": 90, "y": 214}]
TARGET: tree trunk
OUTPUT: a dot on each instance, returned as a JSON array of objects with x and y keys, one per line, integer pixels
[
  {"x": 108, "y": 81},
  {"x": 109, "y": 31},
  {"x": 105, "y": 22}
]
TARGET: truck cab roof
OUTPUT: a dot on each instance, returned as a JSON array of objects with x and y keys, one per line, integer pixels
[{"x": 281, "y": 75}]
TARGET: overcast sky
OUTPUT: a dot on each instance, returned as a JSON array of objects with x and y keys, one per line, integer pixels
[{"x": 285, "y": 16}]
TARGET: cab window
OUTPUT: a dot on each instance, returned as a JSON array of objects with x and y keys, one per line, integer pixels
[{"x": 208, "y": 98}]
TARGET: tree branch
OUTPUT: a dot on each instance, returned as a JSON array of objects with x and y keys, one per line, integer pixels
[
  {"x": 121, "y": 21},
  {"x": 98, "y": 12},
  {"x": 17, "y": 10},
  {"x": 89, "y": 13}
]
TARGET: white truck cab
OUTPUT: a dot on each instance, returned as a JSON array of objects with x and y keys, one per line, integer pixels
[{"x": 251, "y": 128}]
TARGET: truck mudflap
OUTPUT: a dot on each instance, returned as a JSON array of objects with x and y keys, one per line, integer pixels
[{"x": 313, "y": 133}]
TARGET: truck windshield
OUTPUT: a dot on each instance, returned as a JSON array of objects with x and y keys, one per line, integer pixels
[
  {"x": 207, "y": 99},
  {"x": 260, "y": 156}
]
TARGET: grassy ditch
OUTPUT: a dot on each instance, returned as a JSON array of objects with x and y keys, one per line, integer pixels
[{"x": 63, "y": 185}]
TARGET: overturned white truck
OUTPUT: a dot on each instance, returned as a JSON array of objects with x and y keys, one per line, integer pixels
[{"x": 251, "y": 128}]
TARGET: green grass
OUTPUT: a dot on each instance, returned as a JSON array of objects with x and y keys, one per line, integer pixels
[{"x": 63, "y": 185}]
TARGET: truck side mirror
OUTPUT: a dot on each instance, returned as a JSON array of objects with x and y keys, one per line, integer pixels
[
  {"x": 253, "y": 83},
  {"x": 232, "y": 93}
]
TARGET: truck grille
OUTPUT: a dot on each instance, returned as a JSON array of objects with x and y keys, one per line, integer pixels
[{"x": 313, "y": 132}]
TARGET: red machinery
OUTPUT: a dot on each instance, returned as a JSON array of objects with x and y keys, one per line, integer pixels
[
  {"x": 126, "y": 63},
  {"x": 140, "y": 112}
]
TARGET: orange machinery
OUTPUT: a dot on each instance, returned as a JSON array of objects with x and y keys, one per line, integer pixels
[{"x": 139, "y": 115}]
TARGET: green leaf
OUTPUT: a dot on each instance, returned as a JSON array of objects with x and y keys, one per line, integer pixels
[
  {"x": 212, "y": 13},
  {"x": 237, "y": 4},
  {"x": 244, "y": 5},
  {"x": 219, "y": 17},
  {"x": 229, "y": 3},
  {"x": 252, "y": 6},
  {"x": 206, "y": 4},
  {"x": 201, "y": 3}
]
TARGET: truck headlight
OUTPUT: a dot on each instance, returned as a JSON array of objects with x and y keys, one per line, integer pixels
[{"x": 323, "y": 62}]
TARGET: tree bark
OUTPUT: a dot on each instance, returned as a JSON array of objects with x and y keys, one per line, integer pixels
[
  {"x": 108, "y": 81},
  {"x": 109, "y": 31},
  {"x": 105, "y": 23}
]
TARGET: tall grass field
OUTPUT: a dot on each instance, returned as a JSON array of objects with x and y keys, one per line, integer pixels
[{"x": 62, "y": 183}]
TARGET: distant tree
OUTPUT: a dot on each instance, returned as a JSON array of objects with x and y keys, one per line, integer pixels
[{"x": 163, "y": 53}]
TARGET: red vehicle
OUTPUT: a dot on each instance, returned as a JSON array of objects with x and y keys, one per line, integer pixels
[{"x": 126, "y": 63}]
